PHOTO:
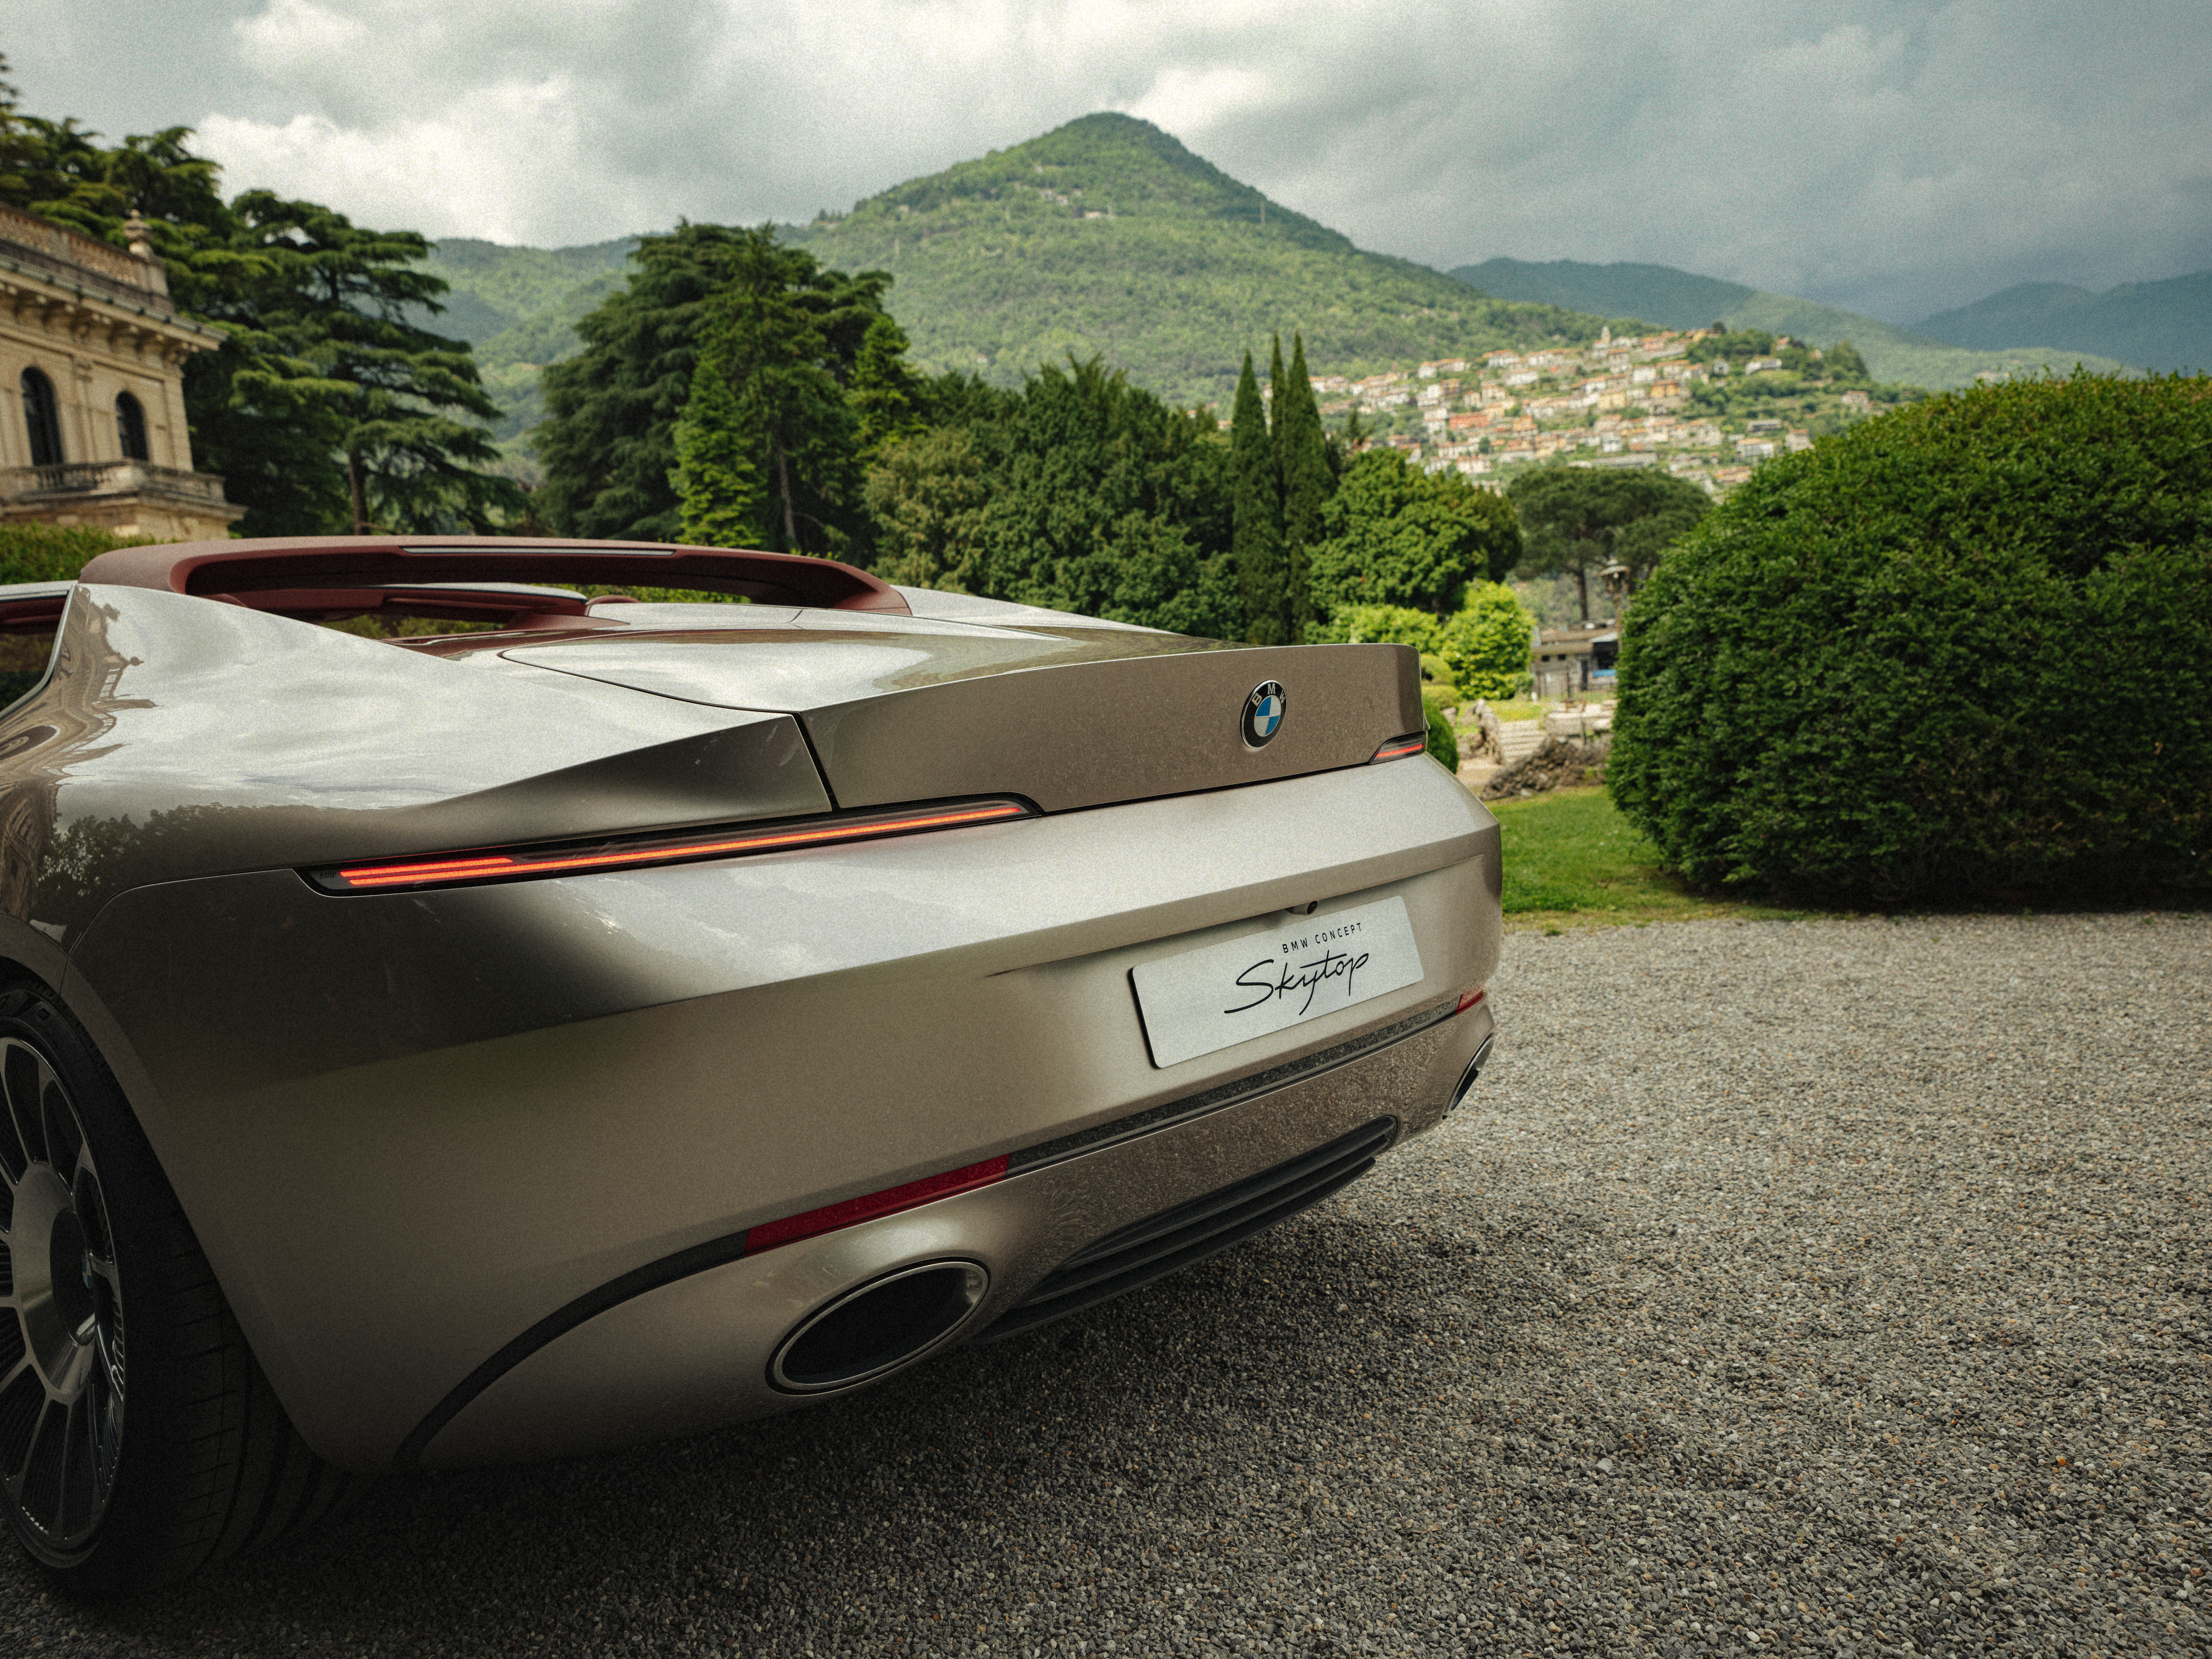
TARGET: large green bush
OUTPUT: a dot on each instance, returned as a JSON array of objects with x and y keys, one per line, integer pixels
[
  {"x": 1488, "y": 642},
  {"x": 1963, "y": 647}
]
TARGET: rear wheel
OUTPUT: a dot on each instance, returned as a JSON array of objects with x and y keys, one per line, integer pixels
[{"x": 139, "y": 1439}]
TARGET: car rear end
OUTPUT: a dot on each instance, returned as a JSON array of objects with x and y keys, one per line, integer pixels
[{"x": 506, "y": 1146}]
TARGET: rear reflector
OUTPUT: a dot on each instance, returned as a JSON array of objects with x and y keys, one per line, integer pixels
[
  {"x": 1472, "y": 997},
  {"x": 1400, "y": 748},
  {"x": 890, "y": 1202},
  {"x": 632, "y": 853}
]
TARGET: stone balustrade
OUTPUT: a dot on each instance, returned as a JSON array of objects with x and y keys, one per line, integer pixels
[{"x": 108, "y": 477}]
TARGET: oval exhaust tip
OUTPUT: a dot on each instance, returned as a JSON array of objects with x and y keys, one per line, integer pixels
[
  {"x": 882, "y": 1325},
  {"x": 1465, "y": 1086}
]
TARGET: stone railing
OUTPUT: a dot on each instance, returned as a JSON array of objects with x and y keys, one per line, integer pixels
[
  {"x": 72, "y": 257},
  {"x": 109, "y": 477},
  {"x": 1584, "y": 720}
]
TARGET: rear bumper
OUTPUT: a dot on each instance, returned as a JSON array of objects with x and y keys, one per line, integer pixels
[
  {"x": 694, "y": 1353},
  {"x": 410, "y": 1128}
]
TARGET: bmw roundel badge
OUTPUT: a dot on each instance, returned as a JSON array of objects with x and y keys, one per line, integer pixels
[{"x": 1263, "y": 713}]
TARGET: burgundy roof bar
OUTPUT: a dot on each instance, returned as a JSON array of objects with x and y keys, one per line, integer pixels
[{"x": 214, "y": 569}]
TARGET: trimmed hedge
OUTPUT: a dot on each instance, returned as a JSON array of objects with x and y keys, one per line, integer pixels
[
  {"x": 1960, "y": 648},
  {"x": 50, "y": 553},
  {"x": 1443, "y": 742}
]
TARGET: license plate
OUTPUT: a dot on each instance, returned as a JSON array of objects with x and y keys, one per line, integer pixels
[{"x": 1252, "y": 987}]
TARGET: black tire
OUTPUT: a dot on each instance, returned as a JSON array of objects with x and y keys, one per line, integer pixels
[{"x": 138, "y": 1439}]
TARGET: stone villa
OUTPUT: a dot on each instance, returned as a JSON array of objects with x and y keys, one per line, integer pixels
[{"x": 93, "y": 347}]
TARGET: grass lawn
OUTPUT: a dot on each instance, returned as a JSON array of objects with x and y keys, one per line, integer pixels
[{"x": 1571, "y": 860}]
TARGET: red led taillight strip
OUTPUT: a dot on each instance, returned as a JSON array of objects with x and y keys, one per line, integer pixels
[
  {"x": 1398, "y": 748},
  {"x": 456, "y": 869},
  {"x": 890, "y": 1202}
]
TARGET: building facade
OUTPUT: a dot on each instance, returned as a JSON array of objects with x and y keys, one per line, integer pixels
[{"x": 92, "y": 406}]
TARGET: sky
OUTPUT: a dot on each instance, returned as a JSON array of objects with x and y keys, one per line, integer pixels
[{"x": 1894, "y": 158}]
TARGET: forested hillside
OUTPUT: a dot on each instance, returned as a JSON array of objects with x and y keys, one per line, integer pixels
[
  {"x": 1668, "y": 298},
  {"x": 518, "y": 306},
  {"x": 2161, "y": 326}
]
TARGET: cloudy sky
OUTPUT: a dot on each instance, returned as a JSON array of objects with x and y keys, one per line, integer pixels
[{"x": 1893, "y": 157}]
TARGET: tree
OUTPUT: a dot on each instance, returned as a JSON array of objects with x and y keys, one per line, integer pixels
[
  {"x": 1079, "y": 492},
  {"x": 1676, "y": 506},
  {"x": 608, "y": 444},
  {"x": 927, "y": 494},
  {"x": 1580, "y": 519},
  {"x": 887, "y": 395},
  {"x": 324, "y": 318},
  {"x": 715, "y": 479},
  {"x": 1258, "y": 507},
  {"x": 795, "y": 332},
  {"x": 1399, "y": 536},
  {"x": 1845, "y": 365},
  {"x": 1104, "y": 500},
  {"x": 1308, "y": 482}
]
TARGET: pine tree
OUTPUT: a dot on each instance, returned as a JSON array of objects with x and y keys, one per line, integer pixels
[
  {"x": 886, "y": 395},
  {"x": 1257, "y": 540},
  {"x": 324, "y": 321},
  {"x": 713, "y": 477},
  {"x": 1302, "y": 448},
  {"x": 608, "y": 442},
  {"x": 791, "y": 397}
]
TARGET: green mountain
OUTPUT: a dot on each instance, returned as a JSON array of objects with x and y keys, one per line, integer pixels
[
  {"x": 1105, "y": 236},
  {"x": 1667, "y": 298},
  {"x": 1108, "y": 236},
  {"x": 2161, "y": 326}
]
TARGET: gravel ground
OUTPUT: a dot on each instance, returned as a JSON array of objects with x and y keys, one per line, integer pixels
[{"x": 1834, "y": 1286}]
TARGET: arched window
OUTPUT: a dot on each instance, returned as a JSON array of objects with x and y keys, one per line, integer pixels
[
  {"x": 42, "y": 415},
  {"x": 131, "y": 428}
]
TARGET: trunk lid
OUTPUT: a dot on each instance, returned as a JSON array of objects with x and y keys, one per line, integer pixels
[{"x": 904, "y": 709}]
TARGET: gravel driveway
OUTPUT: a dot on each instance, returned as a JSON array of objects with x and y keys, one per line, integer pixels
[{"x": 1835, "y": 1286}]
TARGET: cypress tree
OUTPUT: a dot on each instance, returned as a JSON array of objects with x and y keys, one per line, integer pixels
[
  {"x": 1275, "y": 376},
  {"x": 1302, "y": 448},
  {"x": 1256, "y": 541}
]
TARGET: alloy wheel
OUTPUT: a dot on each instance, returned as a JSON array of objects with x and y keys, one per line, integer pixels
[{"x": 61, "y": 1313}]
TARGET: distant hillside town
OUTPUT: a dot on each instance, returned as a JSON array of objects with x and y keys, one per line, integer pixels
[{"x": 1627, "y": 402}]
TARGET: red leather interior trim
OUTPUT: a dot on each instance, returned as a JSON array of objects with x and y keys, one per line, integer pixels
[{"x": 39, "y": 614}]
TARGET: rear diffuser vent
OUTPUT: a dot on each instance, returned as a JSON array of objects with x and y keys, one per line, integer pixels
[{"x": 1191, "y": 1232}]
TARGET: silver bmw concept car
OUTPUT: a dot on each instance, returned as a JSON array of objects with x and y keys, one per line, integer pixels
[{"x": 612, "y": 1019}]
